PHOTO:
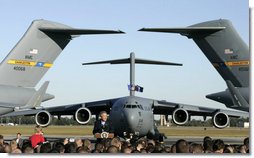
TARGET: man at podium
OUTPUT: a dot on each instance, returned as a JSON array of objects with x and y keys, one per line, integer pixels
[{"x": 103, "y": 127}]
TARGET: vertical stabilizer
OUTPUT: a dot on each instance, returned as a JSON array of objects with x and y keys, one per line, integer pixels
[
  {"x": 37, "y": 50},
  {"x": 222, "y": 45},
  {"x": 227, "y": 52}
]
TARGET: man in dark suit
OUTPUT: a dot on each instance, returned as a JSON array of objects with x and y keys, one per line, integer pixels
[
  {"x": 19, "y": 140},
  {"x": 103, "y": 124}
]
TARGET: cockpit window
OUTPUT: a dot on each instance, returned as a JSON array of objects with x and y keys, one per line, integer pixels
[
  {"x": 133, "y": 106},
  {"x": 128, "y": 106}
]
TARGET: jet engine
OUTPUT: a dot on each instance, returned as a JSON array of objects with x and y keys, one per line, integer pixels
[
  {"x": 220, "y": 120},
  {"x": 180, "y": 116},
  {"x": 43, "y": 118},
  {"x": 83, "y": 115}
]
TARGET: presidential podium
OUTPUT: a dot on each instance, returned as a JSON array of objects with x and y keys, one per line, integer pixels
[{"x": 104, "y": 135}]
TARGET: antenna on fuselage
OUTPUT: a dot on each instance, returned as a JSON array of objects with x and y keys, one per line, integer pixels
[{"x": 132, "y": 61}]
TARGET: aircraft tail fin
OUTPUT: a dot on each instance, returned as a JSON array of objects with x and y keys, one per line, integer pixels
[
  {"x": 35, "y": 53},
  {"x": 132, "y": 61},
  {"x": 222, "y": 45}
]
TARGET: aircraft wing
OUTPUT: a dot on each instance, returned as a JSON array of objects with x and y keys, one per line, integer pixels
[
  {"x": 181, "y": 113},
  {"x": 95, "y": 107},
  {"x": 168, "y": 108}
]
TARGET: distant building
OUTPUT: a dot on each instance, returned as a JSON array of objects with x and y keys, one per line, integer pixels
[
  {"x": 164, "y": 122},
  {"x": 246, "y": 125},
  {"x": 243, "y": 124}
]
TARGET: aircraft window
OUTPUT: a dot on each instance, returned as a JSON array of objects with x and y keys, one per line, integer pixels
[
  {"x": 128, "y": 106},
  {"x": 134, "y": 106}
]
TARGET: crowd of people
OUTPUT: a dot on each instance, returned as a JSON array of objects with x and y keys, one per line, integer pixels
[{"x": 37, "y": 143}]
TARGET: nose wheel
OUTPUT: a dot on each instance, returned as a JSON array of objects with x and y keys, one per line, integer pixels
[{"x": 162, "y": 136}]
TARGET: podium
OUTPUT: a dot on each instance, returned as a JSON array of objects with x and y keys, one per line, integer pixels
[{"x": 104, "y": 135}]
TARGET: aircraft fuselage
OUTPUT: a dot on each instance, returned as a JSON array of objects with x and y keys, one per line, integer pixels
[
  {"x": 12, "y": 96},
  {"x": 133, "y": 115}
]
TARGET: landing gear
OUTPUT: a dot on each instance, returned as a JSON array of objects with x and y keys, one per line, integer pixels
[
  {"x": 159, "y": 136},
  {"x": 162, "y": 136}
]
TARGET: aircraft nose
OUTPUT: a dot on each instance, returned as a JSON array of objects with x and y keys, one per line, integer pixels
[{"x": 130, "y": 118}]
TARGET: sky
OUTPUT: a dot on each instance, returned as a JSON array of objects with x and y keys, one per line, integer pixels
[{"x": 71, "y": 82}]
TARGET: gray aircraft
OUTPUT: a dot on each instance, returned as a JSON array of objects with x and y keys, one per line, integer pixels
[
  {"x": 132, "y": 116},
  {"x": 30, "y": 59},
  {"x": 227, "y": 52}
]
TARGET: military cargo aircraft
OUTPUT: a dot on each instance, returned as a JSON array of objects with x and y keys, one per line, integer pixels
[
  {"x": 132, "y": 116},
  {"x": 227, "y": 52},
  {"x": 30, "y": 59}
]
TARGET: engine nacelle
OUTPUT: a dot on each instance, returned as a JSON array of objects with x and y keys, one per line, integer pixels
[
  {"x": 220, "y": 120},
  {"x": 43, "y": 118},
  {"x": 83, "y": 115},
  {"x": 180, "y": 116}
]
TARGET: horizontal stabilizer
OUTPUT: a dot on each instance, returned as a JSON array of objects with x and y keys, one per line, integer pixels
[
  {"x": 117, "y": 61},
  {"x": 236, "y": 95},
  {"x": 144, "y": 61},
  {"x": 72, "y": 31},
  {"x": 186, "y": 31},
  {"x": 137, "y": 61}
]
